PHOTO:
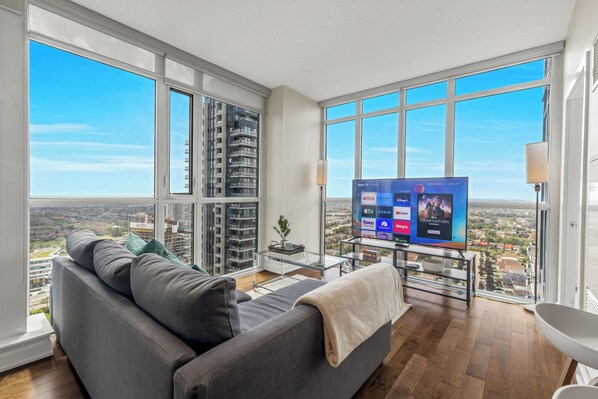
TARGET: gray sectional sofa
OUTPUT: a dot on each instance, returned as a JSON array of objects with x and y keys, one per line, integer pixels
[{"x": 120, "y": 348}]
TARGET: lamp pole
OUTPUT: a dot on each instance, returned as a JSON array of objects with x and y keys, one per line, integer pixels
[
  {"x": 537, "y": 171},
  {"x": 321, "y": 180},
  {"x": 321, "y": 223},
  {"x": 537, "y": 189}
]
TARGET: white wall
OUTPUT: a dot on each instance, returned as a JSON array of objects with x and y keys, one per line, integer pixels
[
  {"x": 583, "y": 28},
  {"x": 580, "y": 36},
  {"x": 292, "y": 148},
  {"x": 13, "y": 195}
]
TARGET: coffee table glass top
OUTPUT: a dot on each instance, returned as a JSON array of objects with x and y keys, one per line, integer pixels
[{"x": 307, "y": 259}]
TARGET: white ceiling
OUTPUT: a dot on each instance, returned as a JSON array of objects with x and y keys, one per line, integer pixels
[{"x": 327, "y": 48}]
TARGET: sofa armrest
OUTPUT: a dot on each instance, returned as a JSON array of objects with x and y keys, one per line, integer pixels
[{"x": 283, "y": 357}]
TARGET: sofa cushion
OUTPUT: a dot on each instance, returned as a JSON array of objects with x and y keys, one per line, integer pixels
[
  {"x": 80, "y": 245},
  {"x": 242, "y": 297},
  {"x": 135, "y": 243},
  {"x": 156, "y": 247},
  {"x": 112, "y": 263},
  {"x": 264, "y": 308},
  {"x": 199, "y": 308}
]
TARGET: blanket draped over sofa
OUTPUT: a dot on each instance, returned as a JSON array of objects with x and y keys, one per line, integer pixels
[{"x": 355, "y": 306}]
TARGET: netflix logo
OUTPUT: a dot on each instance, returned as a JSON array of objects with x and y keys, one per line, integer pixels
[{"x": 368, "y": 198}]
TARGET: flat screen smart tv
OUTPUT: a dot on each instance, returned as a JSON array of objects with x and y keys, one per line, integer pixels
[{"x": 424, "y": 211}]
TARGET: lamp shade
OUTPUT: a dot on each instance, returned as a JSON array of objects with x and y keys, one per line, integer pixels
[
  {"x": 536, "y": 162},
  {"x": 322, "y": 176}
]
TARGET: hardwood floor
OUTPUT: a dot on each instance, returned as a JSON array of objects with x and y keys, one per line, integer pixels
[
  {"x": 50, "y": 378},
  {"x": 440, "y": 349}
]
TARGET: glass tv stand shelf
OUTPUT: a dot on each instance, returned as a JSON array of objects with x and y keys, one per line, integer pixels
[{"x": 452, "y": 282}]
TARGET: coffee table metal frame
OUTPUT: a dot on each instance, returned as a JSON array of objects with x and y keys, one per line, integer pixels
[{"x": 305, "y": 259}]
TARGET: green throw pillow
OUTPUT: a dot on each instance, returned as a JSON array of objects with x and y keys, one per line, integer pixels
[
  {"x": 156, "y": 247},
  {"x": 135, "y": 244}
]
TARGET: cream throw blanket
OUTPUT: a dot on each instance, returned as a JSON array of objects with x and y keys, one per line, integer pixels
[{"x": 355, "y": 306}]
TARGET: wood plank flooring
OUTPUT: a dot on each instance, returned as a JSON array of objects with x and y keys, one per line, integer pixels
[
  {"x": 45, "y": 379},
  {"x": 439, "y": 349}
]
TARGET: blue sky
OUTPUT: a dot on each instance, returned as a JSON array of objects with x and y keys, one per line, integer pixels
[
  {"x": 92, "y": 127},
  {"x": 92, "y": 132},
  {"x": 179, "y": 133},
  {"x": 490, "y": 136}
]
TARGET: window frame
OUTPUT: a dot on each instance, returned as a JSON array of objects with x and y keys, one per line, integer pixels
[
  {"x": 161, "y": 195},
  {"x": 548, "y": 236},
  {"x": 450, "y": 101},
  {"x": 192, "y": 124}
]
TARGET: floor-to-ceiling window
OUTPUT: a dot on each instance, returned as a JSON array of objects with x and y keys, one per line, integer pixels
[
  {"x": 123, "y": 141},
  {"x": 91, "y": 151},
  {"x": 230, "y": 144},
  {"x": 473, "y": 125}
]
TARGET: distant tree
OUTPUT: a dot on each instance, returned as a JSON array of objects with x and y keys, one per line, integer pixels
[{"x": 116, "y": 231}]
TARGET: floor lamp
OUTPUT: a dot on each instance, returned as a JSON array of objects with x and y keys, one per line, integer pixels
[
  {"x": 536, "y": 166},
  {"x": 321, "y": 180}
]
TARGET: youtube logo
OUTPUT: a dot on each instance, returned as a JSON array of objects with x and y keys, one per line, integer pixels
[
  {"x": 402, "y": 213},
  {"x": 401, "y": 227}
]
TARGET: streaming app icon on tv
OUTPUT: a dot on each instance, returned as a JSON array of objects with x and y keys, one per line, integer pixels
[
  {"x": 401, "y": 227},
  {"x": 402, "y": 213},
  {"x": 368, "y": 198},
  {"x": 384, "y": 236},
  {"x": 384, "y": 212},
  {"x": 402, "y": 199},
  {"x": 368, "y": 233},
  {"x": 368, "y": 224},
  {"x": 385, "y": 199},
  {"x": 425, "y": 211},
  {"x": 384, "y": 225},
  {"x": 368, "y": 211}
]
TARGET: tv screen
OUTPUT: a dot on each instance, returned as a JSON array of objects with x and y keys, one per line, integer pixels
[{"x": 425, "y": 211}]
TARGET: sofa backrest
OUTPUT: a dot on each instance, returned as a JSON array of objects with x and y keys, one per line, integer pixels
[{"x": 117, "y": 349}]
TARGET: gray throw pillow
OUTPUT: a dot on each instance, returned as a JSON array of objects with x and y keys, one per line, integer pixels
[
  {"x": 199, "y": 308},
  {"x": 112, "y": 263},
  {"x": 80, "y": 245}
]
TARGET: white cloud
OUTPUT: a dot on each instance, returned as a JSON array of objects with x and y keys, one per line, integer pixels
[
  {"x": 387, "y": 150},
  {"x": 109, "y": 164},
  {"x": 88, "y": 145},
  {"x": 498, "y": 166},
  {"x": 340, "y": 163},
  {"x": 417, "y": 150},
  {"x": 60, "y": 128}
]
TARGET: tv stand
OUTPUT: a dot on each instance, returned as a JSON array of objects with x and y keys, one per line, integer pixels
[{"x": 450, "y": 282}]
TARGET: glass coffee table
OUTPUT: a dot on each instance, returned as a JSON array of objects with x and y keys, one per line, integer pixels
[{"x": 305, "y": 260}]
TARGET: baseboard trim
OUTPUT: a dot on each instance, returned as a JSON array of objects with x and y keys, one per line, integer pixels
[{"x": 35, "y": 344}]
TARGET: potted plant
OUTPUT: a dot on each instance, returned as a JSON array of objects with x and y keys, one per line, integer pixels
[{"x": 283, "y": 229}]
